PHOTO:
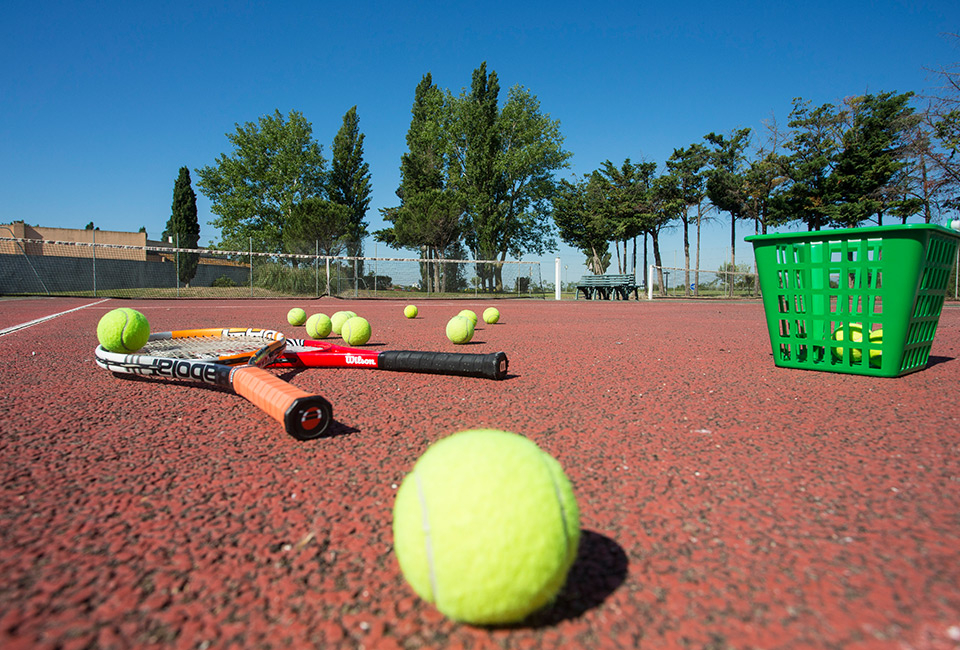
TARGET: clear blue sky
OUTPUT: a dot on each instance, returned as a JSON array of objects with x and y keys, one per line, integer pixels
[{"x": 103, "y": 102}]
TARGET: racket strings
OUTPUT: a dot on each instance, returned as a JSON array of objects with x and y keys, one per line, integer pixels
[{"x": 203, "y": 347}]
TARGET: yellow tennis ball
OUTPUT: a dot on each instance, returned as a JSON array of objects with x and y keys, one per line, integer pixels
[
  {"x": 469, "y": 314},
  {"x": 491, "y": 315},
  {"x": 296, "y": 316},
  {"x": 410, "y": 311},
  {"x": 460, "y": 329},
  {"x": 876, "y": 356},
  {"x": 856, "y": 335},
  {"x": 339, "y": 318},
  {"x": 319, "y": 326},
  {"x": 355, "y": 331},
  {"x": 486, "y": 526},
  {"x": 123, "y": 330}
]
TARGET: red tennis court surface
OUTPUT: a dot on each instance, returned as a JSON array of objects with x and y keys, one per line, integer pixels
[{"x": 726, "y": 503}]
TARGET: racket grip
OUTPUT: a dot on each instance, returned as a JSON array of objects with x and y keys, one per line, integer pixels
[
  {"x": 487, "y": 366},
  {"x": 304, "y": 416}
]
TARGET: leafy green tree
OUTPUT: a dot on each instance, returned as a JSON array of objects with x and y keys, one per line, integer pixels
[
  {"x": 349, "y": 181},
  {"x": 182, "y": 226},
  {"x": 503, "y": 164},
  {"x": 689, "y": 166},
  {"x": 666, "y": 204},
  {"x": 497, "y": 165},
  {"x": 581, "y": 224},
  {"x": 870, "y": 165},
  {"x": 275, "y": 165},
  {"x": 726, "y": 181},
  {"x": 430, "y": 215},
  {"x": 817, "y": 138},
  {"x": 626, "y": 202},
  {"x": 317, "y": 223}
]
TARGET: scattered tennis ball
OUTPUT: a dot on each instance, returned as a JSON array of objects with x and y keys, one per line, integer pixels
[
  {"x": 491, "y": 315},
  {"x": 466, "y": 313},
  {"x": 339, "y": 318},
  {"x": 123, "y": 330},
  {"x": 460, "y": 329},
  {"x": 410, "y": 311},
  {"x": 319, "y": 326},
  {"x": 355, "y": 331},
  {"x": 486, "y": 526},
  {"x": 296, "y": 316}
]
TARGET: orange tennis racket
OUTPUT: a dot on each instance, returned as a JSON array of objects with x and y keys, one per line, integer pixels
[{"x": 232, "y": 358}]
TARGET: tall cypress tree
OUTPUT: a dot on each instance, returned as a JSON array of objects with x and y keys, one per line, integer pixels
[
  {"x": 183, "y": 226},
  {"x": 349, "y": 182}
]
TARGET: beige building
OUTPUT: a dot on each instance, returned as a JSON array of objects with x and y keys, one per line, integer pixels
[{"x": 70, "y": 242}]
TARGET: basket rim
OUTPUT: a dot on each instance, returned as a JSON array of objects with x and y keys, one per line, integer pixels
[{"x": 842, "y": 233}]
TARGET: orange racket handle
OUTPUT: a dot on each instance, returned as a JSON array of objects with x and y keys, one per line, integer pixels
[{"x": 305, "y": 416}]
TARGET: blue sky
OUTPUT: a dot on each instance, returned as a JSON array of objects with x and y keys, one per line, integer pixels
[{"x": 103, "y": 102}]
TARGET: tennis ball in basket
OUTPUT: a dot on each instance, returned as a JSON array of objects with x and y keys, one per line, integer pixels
[
  {"x": 466, "y": 313},
  {"x": 460, "y": 329},
  {"x": 123, "y": 330},
  {"x": 410, "y": 311},
  {"x": 856, "y": 335},
  {"x": 355, "y": 331},
  {"x": 876, "y": 356},
  {"x": 339, "y": 318},
  {"x": 319, "y": 326},
  {"x": 296, "y": 316},
  {"x": 491, "y": 315},
  {"x": 486, "y": 527}
]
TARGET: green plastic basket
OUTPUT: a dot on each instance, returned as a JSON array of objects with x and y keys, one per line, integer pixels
[{"x": 863, "y": 301}]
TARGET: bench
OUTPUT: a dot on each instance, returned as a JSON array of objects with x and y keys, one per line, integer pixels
[{"x": 607, "y": 287}]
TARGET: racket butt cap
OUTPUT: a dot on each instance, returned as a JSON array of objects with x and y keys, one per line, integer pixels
[{"x": 308, "y": 417}]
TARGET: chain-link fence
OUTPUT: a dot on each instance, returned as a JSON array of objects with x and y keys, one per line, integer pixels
[{"x": 63, "y": 268}]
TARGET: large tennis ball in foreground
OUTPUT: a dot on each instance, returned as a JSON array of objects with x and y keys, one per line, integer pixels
[
  {"x": 460, "y": 329},
  {"x": 123, "y": 330},
  {"x": 410, "y": 311},
  {"x": 486, "y": 527},
  {"x": 355, "y": 331}
]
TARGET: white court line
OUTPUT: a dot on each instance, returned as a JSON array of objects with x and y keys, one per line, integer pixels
[{"x": 21, "y": 326}]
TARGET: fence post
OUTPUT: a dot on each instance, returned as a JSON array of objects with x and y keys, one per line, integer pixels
[
  {"x": 251, "y": 267},
  {"x": 93, "y": 233}
]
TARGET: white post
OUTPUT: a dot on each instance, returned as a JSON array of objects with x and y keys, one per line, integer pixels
[
  {"x": 558, "y": 278},
  {"x": 650, "y": 283}
]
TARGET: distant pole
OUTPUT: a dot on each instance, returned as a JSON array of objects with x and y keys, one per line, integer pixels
[
  {"x": 251, "y": 267},
  {"x": 558, "y": 278}
]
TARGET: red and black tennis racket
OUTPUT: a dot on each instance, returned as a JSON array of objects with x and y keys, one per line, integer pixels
[
  {"x": 232, "y": 358},
  {"x": 321, "y": 354}
]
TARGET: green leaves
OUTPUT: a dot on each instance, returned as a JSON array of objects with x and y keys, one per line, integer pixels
[{"x": 275, "y": 165}]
